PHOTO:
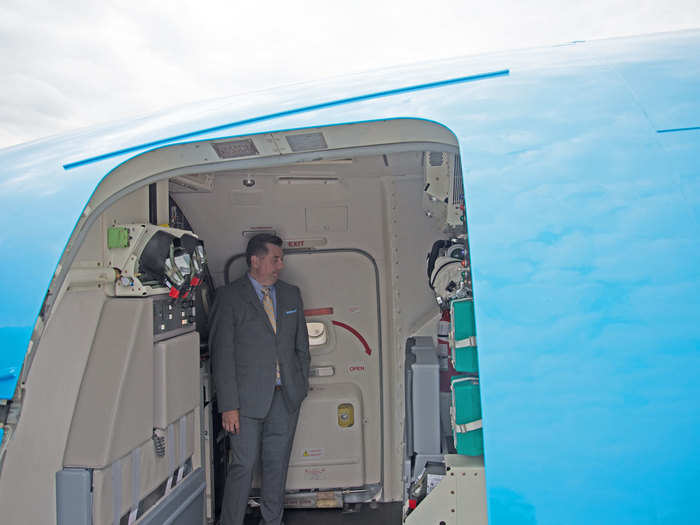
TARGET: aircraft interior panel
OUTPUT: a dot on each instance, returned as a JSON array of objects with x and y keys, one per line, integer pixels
[
  {"x": 114, "y": 411},
  {"x": 415, "y": 234},
  {"x": 176, "y": 378},
  {"x": 328, "y": 450},
  {"x": 55, "y": 400},
  {"x": 143, "y": 476},
  {"x": 373, "y": 204},
  {"x": 132, "y": 208},
  {"x": 139, "y": 401},
  {"x": 307, "y": 208},
  {"x": 351, "y": 356},
  {"x": 320, "y": 276}
]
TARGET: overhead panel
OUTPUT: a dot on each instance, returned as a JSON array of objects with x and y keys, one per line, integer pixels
[
  {"x": 307, "y": 142},
  {"x": 194, "y": 183},
  {"x": 234, "y": 149},
  {"x": 325, "y": 219}
]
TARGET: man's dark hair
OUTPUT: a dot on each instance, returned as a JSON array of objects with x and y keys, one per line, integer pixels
[{"x": 257, "y": 245}]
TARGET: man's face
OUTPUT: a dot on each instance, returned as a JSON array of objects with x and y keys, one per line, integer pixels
[{"x": 266, "y": 268}]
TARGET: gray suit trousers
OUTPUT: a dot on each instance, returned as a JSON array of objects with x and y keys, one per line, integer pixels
[{"x": 271, "y": 439}]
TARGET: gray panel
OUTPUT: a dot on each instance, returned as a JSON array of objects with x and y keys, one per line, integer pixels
[
  {"x": 408, "y": 372},
  {"x": 176, "y": 384},
  {"x": 74, "y": 497},
  {"x": 184, "y": 505},
  {"x": 425, "y": 397},
  {"x": 114, "y": 411}
]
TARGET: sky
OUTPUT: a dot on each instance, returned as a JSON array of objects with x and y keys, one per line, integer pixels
[{"x": 70, "y": 64}]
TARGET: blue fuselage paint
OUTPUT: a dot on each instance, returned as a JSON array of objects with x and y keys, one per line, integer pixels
[
  {"x": 280, "y": 114},
  {"x": 692, "y": 128}
]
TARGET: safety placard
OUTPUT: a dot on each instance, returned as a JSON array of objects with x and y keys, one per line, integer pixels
[
  {"x": 312, "y": 453},
  {"x": 315, "y": 474}
]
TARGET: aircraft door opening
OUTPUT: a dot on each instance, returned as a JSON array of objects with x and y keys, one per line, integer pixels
[{"x": 338, "y": 443}]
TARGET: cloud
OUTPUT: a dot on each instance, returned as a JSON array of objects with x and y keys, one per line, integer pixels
[{"x": 74, "y": 63}]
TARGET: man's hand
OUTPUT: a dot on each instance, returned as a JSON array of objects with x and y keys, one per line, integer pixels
[{"x": 230, "y": 421}]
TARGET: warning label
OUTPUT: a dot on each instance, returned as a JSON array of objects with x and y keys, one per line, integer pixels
[
  {"x": 312, "y": 453},
  {"x": 356, "y": 368},
  {"x": 315, "y": 474}
]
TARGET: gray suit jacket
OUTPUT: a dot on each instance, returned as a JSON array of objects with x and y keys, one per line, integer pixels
[{"x": 244, "y": 348}]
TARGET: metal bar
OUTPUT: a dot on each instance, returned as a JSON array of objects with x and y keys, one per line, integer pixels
[{"x": 153, "y": 203}]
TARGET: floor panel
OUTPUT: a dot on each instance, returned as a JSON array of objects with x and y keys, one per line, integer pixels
[{"x": 384, "y": 514}]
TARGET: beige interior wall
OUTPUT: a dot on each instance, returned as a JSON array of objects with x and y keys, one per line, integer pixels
[
  {"x": 35, "y": 454},
  {"x": 220, "y": 217},
  {"x": 385, "y": 218},
  {"x": 114, "y": 411},
  {"x": 413, "y": 305},
  {"x": 133, "y": 208},
  {"x": 416, "y": 234}
]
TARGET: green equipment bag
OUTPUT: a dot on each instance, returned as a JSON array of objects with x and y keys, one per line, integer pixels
[
  {"x": 466, "y": 416},
  {"x": 463, "y": 336}
]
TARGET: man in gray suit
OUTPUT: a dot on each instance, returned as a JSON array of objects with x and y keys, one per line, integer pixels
[{"x": 260, "y": 362}]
